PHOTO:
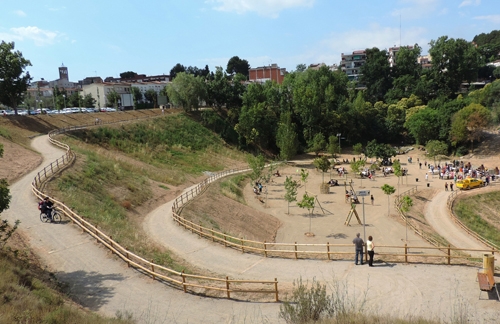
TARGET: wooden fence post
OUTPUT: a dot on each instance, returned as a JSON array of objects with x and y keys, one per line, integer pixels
[
  {"x": 111, "y": 243},
  {"x": 265, "y": 249},
  {"x": 406, "y": 252},
  {"x": 153, "y": 269},
  {"x": 128, "y": 261},
  {"x": 449, "y": 252},
  {"x": 212, "y": 232},
  {"x": 225, "y": 241},
  {"x": 295, "y": 247},
  {"x": 201, "y": 231},
  {"x": 227, "y": 288},
  {"x": 183, "y": 281},
  {"x": 276, "y": 289},
  {"x": 328, "y": 249},
  {"x": 96, "y": 234},
  {"x": 242, "y": 250}
]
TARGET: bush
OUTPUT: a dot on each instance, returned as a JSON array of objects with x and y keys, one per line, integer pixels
[
  {"x": 307, "y": 304},
  {"x": 462, "y": 150}
]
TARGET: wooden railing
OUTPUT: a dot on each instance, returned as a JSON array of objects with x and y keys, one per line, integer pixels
[
  {"x": 304, "y": 250},
  {"x": 188, "y": 282},
  {"x": 449, "y": 202}
]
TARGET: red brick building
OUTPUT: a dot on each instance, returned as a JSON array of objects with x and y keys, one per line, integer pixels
[{"x": 267, "y": 73}]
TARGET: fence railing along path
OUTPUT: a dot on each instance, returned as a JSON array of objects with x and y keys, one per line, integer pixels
[
  {"x": 310, "y": 250},
  {"x": 187, "y": 282}
]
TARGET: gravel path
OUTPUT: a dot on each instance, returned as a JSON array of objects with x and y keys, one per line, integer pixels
[{"x": 102, "y": 283}]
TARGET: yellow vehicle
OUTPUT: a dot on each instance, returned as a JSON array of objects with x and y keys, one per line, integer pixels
[{"x": 470, "y": 183}]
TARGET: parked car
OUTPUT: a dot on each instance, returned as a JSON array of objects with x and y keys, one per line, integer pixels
[
  {"x": 108, "y": 109},
  {"x": 470, "y": 183}
]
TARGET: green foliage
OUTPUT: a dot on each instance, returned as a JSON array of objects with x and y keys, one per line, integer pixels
[
  {"x": 357, "y": 166},
  {"x": 257, "y": 164},
  {"x": 232, "y": 187},
  {"x": 322, "y": 163},
  {"x": 291, "y": 191},
  {"x": 112, "y": 98},
  {"x": 388, "y": 190},
  {"x": 304, "y": 174},
  {"x": 318, "y": 143},
  {"x": 236, "y": 65},
  {"x": 423, "y": 125},
  {"x": 171, "y": 141},
  {"x": 406, "y": 204},
  {"x": 307, "y": 304},
  {"x": 396, "y": 166},
  {"x": 151, "y": 96},
  {"x": 357, "y": 148},
  {"x": 333, "y": 147},
  {"x": 469, "y": 123},
  {"x": 380, "y": 151},
  {"x": 14, "y": 80},
  {"x": 375, "y": 74},
  {"x": 187, "y": 91},
  {"x": 307, "y": 202},
  {"x": 286, "y": 138},
  {"x": 4, "y": 195},
  {"x": 88, "y": 101},
  {"x": 436, "y": 148}
]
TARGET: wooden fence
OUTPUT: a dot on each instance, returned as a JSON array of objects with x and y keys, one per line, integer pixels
[
  {"x": 188, "y": 282},
  {"x": 306, "y": 250}
]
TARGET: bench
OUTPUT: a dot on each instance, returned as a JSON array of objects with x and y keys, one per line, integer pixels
[{"x": 486, "y": 283}]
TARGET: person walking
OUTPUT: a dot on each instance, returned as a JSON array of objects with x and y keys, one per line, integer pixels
[
  {"x": 451, "y": 186},
  {"x": 359, "y": 244},
  {"x": 372, "y": 199},
  {"x": 446, "y": 186},
  {"x": 370, "y": 248},
  {"x": 426, "y": 177}
]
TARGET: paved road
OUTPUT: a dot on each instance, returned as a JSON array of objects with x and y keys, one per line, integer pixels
[{"x": 104, "y": 284}]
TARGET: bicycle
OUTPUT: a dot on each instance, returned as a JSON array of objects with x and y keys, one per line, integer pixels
[{"x": 56, "y": 217}]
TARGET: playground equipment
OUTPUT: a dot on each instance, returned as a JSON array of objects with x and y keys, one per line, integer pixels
[{"x": 349, "y": 216}]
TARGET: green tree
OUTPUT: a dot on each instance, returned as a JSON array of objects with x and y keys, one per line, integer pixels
[
  {"x": 286, "y": 137},
  {"x": 128, "y": 75},
  {"x": 453, "y": 62},
  {"x": 405, "y": 206},
  {"x": 318, "y": 143},
  {"x": 357, "y": 148},
  {"x": 5, "y": 197},
  {"x": 218, "y": 89},
  {"x": 151, "y": 96},
  {"x": 436, "y": 148},
  {"x": 406, "y": 73},
  {"x": 74, "y": 100},
  {"x": 376, "y": 74},
  {"x": 257, "y": 164},
  {"x": 469, "y": 123},
  {"x": 333, "y": 146},
  {"x": 178, "y": 68},
  {"x": 137, "y": 94},
  {"x": 186, "y": 91},
  {"x": 307, "y": 202},
  {"x": 304, "y": 174},
  {"x": 380, "y": 151},
  {"x": 323, "y": 164},
  {"x": 496, "y": 72},
  {"x": 88, "y": 101},
  {"x": 388, "y": 190},
  {"x": 357, "y": 166},
  {"x": 301, "y": 67},
  {"x": 14, "y": 80},
  {"x": 236, "y": 65},
  {"x": 423, "y": 125},
  {"x": 291, "y": 191},
  {"x": 112, "y": 98}
]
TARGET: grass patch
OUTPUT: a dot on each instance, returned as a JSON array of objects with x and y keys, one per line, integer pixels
[
  {"x": 103, "y": 191},
  {"x": 164, "y": 187},
  {"x": 480, "y": 214},
  {"x": 233, "y": 186},
  {"x": 29, "y": 295},
  {"x": 175, "y": 142}
]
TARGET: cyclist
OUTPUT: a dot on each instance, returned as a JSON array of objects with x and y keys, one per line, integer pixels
[{"x": 46, "y": 207}]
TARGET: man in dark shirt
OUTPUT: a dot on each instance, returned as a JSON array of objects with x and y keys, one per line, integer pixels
[
  {"x": 358, "y": 243},
  {"x": 46, "y": 207}
]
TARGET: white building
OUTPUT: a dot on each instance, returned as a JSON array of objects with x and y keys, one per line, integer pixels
[{"x": 99, "y": 92}]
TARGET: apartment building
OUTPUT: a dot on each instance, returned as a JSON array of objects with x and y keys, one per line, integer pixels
[
  {"x": 99, "y": 92},
  {"x": 351, "y": 64}
]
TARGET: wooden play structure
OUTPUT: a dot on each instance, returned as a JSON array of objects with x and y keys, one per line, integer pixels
[{"x": 349, "y": 216}]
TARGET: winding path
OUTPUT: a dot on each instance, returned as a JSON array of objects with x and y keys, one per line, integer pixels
[{"x": 100, "y": 282}]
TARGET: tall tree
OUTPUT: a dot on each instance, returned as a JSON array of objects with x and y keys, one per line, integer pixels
[
  {"x": 14, "y": 80},
  {"x": 112, "y": 98},
  {"x": 151, "y": 96},
  {"x": 178, "y": 68},
  {"x": 423, "y": 125},
  {"x": 406, "y": 73},
  {"x": 469, "y": 123},
  {"x": 187, "y": 91},
  {"x": 88, "y": 101},
  {"x": 291, "y": 191},
  {"x": 236, "y": 65},
  {"x": 128, "y": 75},
  {"x": 136, "y": 92},
  {"x": 453, "y": 61},
  {"x": 286, "y": 138},
  {"x": 388, "y": 190},
  {"x": 376, "y": 74}
]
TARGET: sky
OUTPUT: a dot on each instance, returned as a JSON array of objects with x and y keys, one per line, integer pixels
[{"x": 104, "y": 38}]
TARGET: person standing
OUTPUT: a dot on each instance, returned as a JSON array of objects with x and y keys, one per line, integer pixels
[
  {"x": 370, "y": 248},
  {"x": 426, "y": 177},
  {"x": 358, "y": 243},
  {"x": 446, "y": 186},
  {"x": 372, "y": 199},
  {"x": 451, "y": 186}
]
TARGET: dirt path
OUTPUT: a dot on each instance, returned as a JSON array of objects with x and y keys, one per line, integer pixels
[{"x": 106, "y": 285}]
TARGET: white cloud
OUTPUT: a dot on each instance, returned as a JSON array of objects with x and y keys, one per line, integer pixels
[
  {"x": 20, "y": 13},
  {"x": 495, "y": 19},
  {"x": 469, "y": 3},
  {"x": 39, "y": 36},
  {"x": 270, "y": 8}
]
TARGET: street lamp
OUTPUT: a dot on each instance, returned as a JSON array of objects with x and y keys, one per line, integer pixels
[{"x": 64, "y": 96}]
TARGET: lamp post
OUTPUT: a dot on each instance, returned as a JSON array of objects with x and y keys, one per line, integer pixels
[{"x": 64, "y": 96}]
